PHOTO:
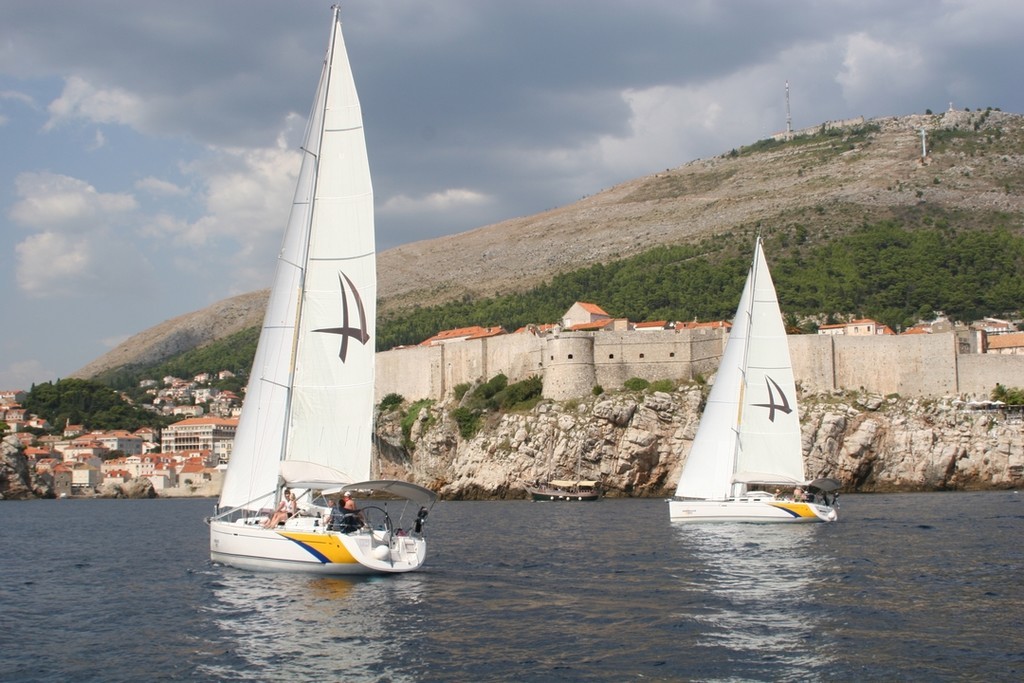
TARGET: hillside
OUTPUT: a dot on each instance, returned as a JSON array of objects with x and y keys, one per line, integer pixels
[{"x": 826, "y": 179}]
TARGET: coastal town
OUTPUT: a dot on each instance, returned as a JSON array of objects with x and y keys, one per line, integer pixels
[{"x": 187, "y": 458}]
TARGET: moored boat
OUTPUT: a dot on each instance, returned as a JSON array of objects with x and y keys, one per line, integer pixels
[{"x": 564, "y": 489}]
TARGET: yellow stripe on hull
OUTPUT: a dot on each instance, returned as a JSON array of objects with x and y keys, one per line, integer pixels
[
  {"x": 327, "y": 546},
  {"x": 797, "y": 509}
]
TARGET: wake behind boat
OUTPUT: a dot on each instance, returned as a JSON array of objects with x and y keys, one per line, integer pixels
[
  {"x": 749, "y": 433},
  {"x": 307, "y": 422}
]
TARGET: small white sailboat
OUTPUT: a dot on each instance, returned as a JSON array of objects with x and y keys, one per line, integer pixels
[
  {"x": 307, "y": 422},
  {"x": 749, "y": 433}
]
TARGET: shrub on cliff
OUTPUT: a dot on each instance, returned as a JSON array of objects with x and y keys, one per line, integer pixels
[
  {"x": 391, "y": 401},
  {"x": 409, "y": 419},
  {"x": 636, "y": 384},
  {"x": 467, "y": 420}
]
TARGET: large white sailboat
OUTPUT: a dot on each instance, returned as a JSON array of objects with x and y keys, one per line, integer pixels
[
  {"x": 307, "y": 421},
  {"x": 749, "y": 433}
]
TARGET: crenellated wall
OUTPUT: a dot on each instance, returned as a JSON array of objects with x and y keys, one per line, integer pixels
[{"x": 572, "y": 363}]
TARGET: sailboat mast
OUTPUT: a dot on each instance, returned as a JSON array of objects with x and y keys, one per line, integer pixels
[
  {"x": 314, "y": 128},
  {"x": 749, "y": 313}
]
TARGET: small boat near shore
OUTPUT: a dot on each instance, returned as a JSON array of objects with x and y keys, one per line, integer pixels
[{"x": 579, "y": 490}]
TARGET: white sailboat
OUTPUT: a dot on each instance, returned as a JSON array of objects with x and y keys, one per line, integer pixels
[
  {"x": 749, "y": 433},
  {"x": 307, "y": 421}
]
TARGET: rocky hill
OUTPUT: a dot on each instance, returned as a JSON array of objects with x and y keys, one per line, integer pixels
[
  {"x": 826, "y": 179},
  {"x": 183, "y": 333}
]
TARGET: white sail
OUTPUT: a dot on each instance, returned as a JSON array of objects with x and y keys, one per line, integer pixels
[
  {"x": 750, "y": 429},
  {"x": 310, "y": 394},
  {"x": 770, "y": 448},
  {"x": 307, "y": 420}
]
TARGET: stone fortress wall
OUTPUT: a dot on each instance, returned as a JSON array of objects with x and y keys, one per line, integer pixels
[{"x": 572, "y": 363}]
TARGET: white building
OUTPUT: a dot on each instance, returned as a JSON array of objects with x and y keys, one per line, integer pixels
[{"x": 198, "y": 433}]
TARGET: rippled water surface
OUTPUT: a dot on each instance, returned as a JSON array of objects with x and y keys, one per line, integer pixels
[{"x": 905, "y": 587}]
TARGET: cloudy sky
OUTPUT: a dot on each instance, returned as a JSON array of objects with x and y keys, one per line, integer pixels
[{"x": 149, "y": 148}]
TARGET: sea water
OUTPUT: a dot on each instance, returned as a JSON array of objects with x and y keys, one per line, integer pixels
[{"x": 919, "y": 587}]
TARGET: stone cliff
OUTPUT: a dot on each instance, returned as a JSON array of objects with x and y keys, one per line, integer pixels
[
  {"x": 17, "y": 480},
  {"x": 635, "y": 443}
]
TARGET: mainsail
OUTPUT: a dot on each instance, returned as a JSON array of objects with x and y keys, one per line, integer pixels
[
  {"x": 310, "y": 395},
  {"x": 750, "y": 429}
]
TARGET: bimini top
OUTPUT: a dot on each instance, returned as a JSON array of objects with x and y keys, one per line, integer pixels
[
  {"x": 401, "y": 489},
  {"x": 565, "y": 483}
]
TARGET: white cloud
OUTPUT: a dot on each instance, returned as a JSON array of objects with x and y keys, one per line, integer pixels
[
  {"x": 50, "y": 200},
  {"x": 99, "y": 141},
  {"x": 100, "y": 267},
  {"x": 873, "y": 69},
  {"x": 156, "y": 186},
  {"x": 251, "y": 189},
  {"x": 246, "y": 196},
  {"x": 53, "y": 264},
  {"x": 23, "y": 374},
  {"x": 80, "y": 99},
  {"x": 79, "y": 247},
  {"x": 446, "y": 200},
  {"x": 16, "y": 96},
  {"x": 178, "y": 230}
]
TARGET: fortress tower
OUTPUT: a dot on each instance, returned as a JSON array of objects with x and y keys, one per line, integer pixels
[{"x": 569, "y": 366}]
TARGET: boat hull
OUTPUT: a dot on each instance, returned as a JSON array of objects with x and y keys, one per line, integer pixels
[
  {"x": 555, "y": 495},
  {"x": 302, "y": 545},
  {"x": 759, "y": 510}
]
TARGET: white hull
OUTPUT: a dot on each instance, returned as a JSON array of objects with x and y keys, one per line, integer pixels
[
  {"x": 303, "y": 545},
  {"x": 765, "y": 510}
]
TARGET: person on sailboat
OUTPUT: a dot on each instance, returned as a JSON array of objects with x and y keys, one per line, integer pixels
[
  {"x": 287, "y": 508},
  {"x": 345, "y": 514}
]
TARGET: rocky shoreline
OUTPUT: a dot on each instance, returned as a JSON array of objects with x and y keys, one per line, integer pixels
[{"x": 636, "y": 442}]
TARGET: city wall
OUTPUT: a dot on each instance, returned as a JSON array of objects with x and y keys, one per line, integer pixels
[{"x": 572, "y": 363}]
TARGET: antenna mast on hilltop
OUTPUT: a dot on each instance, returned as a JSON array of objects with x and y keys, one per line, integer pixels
[{"x": 789, "y": 119}]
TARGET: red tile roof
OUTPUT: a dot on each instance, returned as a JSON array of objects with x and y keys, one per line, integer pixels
[
  {"x": 463, "y": 334},
  {"x": 714, "y": 325},
  {"x": 1006, "y": 341},
  {"x": 595, "y": 325},
  {"x": 593, "y": 309}
]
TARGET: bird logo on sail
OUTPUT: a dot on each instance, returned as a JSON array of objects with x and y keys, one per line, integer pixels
[
  {"x": 772, "y": 406},
  {"x": 346, "y": 331}
]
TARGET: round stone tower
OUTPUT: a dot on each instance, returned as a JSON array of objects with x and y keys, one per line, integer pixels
[{"x": 569, "y": 366}]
